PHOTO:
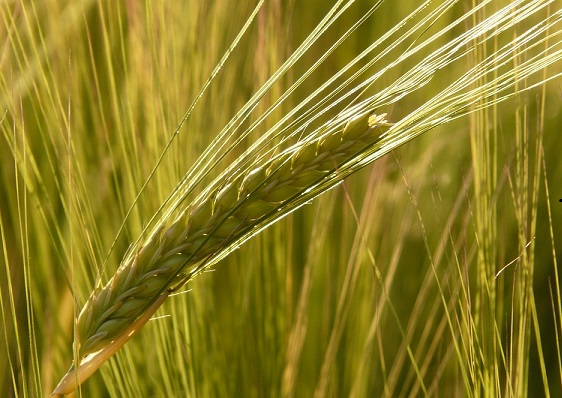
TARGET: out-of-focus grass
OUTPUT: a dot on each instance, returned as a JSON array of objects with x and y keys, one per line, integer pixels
[{"x": 386, "y": 285}]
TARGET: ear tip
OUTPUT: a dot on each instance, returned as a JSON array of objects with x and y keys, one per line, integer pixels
[{"x": 379, "y": 120}]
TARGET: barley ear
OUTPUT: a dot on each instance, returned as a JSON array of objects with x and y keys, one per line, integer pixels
[{"x": 222, "y": 218}]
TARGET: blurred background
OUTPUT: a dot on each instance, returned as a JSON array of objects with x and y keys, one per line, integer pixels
[{"x": 431, "y": 272}]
